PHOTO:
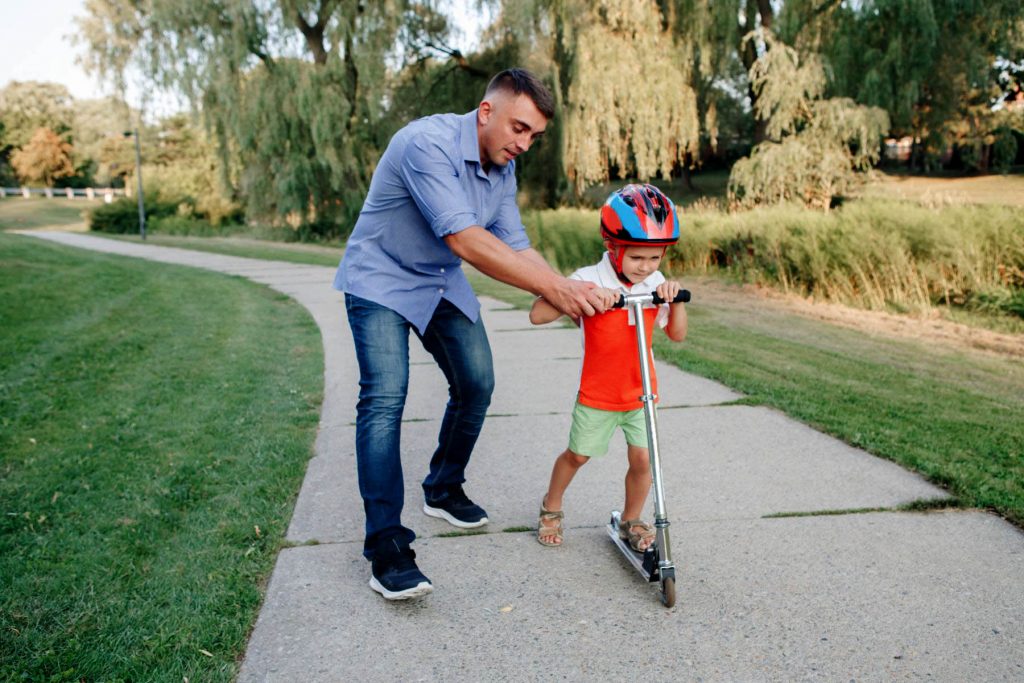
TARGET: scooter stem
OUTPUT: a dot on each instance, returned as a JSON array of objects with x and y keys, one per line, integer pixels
[{"x": 648, "y": 398}]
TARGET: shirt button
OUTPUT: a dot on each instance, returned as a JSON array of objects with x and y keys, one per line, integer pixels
[
  {"x": 441, "y": 289},
  {"x": 442, "y": 270}
]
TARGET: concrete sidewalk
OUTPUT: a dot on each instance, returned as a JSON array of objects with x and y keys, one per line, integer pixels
[{"x": 867, "y": 597}]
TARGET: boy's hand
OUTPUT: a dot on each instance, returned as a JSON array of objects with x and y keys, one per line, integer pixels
[
  {"x": 609, "y": 297},
  {"x": 668, "y": 290}
]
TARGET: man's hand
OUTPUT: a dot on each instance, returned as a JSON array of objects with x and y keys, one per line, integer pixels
[
  {"x": 609, "y": 297},
  {"x": 576, "y": 299}
]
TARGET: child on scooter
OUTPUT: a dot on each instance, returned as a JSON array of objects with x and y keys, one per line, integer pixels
[{"x": 638, "y": 223}]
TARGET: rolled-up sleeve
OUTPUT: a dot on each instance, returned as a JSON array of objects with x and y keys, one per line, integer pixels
[
  {"x": 433, "y": 182},
  {"x": 508, "y": 224}
]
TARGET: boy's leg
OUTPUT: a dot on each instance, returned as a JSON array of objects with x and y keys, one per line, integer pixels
[
  {"x": 381, "y": 339},
  {"x": 638, "y": 482},
  {"x": 589, "y": 435},
  {"x": 566, "y": 466},
  {"x": 463, "y": 353}
]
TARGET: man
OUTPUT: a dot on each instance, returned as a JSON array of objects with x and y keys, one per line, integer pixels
[{"x": 444, "y": 191}]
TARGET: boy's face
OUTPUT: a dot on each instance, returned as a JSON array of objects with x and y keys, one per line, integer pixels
[{"x": 639, "y": 262}]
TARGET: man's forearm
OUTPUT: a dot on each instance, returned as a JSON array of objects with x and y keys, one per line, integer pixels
[
  {"x": 488, "y": 254},
  {"x": 526, "y": 271},
  {"x": 535, "y": 256}
]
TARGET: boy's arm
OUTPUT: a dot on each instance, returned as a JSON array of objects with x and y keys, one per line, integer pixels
[
  {"x": 675, "y": 328},
  {"x": 543, "y": 312}
]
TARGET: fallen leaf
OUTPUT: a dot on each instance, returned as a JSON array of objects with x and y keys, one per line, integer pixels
[
  {"x": 506, "y": 609},
  {"x": 206, "y": 652},
  {"x": 257, "y": 527}
]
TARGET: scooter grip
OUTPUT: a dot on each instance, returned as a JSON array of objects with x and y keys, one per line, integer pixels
[{"x": 681, "y": 298}]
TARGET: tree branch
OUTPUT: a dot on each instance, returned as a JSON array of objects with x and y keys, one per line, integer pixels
[
  {"x": 314, "y": 33},
  {"x": 460, "y": 59},
  {"x": 824, "y": 8}
]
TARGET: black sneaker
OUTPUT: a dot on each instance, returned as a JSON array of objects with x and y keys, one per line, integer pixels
[
  {"x": 394, "y": 574},
  {"x": 456, "y": 509}
]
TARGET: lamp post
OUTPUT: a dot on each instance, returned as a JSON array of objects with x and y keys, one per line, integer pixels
[{"x": 138, "y": 175}]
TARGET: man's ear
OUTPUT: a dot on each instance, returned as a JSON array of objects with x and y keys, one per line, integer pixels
[{"x": 484, "y": 111}]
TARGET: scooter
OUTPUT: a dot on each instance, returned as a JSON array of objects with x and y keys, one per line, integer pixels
[{"x": 655, "y": 563}]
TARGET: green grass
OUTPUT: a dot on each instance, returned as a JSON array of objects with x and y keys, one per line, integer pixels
[
  {"x": 251, "y": 248},
  {"x": 155, "y": 424},
  {"x": 955, "y": 417},
  {"x": 18, "y": 213}
]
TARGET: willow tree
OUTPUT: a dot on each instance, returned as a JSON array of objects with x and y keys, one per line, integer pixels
[
  {"x": 816, "y": 146},
  {"x": 930, "y": 63},
  {"x": 291, "y": 90},
  {"x": 630, "y": 109},
  {"x": 621, "y": 82}
]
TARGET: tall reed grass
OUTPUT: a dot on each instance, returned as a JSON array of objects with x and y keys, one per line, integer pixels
[{"x": 875, "y": 254}]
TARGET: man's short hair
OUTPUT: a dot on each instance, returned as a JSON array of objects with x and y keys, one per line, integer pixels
[{"x": 520, "y": 82}]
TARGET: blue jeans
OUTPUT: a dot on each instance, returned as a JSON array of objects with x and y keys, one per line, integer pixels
[{"x": 461, "y": 350}]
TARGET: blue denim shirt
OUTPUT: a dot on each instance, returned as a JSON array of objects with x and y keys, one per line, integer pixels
[{"x": 429, "y": 184}]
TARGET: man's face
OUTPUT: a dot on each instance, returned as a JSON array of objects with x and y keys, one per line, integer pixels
[{"x": 507, "y": 125}]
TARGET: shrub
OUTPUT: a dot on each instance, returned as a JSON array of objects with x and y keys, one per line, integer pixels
[
  {"x": 122, "y": 216},
  {"x": 868, "y": 253}
]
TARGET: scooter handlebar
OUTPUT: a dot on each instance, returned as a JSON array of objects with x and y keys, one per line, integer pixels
[{"x": 682, "y": 297}]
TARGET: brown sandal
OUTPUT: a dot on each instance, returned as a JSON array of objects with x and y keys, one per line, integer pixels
[
  {"x": 635, "y": 538},
  {"x": 547, "y": 534}
]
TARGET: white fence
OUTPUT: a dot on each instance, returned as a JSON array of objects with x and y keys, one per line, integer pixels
[{"x": 106, "y": 193}]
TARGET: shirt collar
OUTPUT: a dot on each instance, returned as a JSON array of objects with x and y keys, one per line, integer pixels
[{"x": 470, "y": 144}]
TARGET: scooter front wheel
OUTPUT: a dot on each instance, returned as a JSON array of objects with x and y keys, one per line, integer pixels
[{"x": 668, "y": 592}]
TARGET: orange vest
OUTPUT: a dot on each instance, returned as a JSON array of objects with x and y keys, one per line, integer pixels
[{"x": 610, "y": 379}]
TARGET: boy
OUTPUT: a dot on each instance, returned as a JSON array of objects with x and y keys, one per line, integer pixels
[{"x": 638, "y": 223}]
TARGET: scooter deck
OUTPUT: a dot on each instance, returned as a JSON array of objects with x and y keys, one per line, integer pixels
[{"x": 646, "y": 562}]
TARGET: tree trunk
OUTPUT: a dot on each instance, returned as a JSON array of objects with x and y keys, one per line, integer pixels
[
  {"x": 314, "y": 33},
  {"x": 755, "y": 9}
]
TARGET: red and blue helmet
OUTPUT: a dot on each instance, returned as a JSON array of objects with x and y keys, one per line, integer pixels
[{"x": 639, "y": 215}]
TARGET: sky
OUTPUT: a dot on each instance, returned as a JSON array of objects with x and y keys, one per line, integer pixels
[{"x": 35, "y": 45}]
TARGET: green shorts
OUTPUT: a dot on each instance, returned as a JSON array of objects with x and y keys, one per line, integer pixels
[{"x": 592, "y": 429}]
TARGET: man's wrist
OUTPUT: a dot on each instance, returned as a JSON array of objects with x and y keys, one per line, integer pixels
[{"x": 550, "y": 284}]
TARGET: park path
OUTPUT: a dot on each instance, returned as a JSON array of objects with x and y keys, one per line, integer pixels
[{"x": 807, "y": 596}]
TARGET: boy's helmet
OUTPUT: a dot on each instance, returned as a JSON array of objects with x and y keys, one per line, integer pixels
[{"x": 639, "y": 215}]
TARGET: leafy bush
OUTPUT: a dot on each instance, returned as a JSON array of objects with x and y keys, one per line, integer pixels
[
  {"x": 817, "y": 148},
  {"x": 568, "y": 238},
  {"x": 193, "y": 182},
  {"x": 869, "y": 253},
  {"x": 122, "y": 216}
]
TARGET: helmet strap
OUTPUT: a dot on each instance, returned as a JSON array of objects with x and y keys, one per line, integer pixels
[{"x": 616, "y": 254}]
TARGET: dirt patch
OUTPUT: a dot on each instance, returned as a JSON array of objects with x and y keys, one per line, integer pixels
[
  {"x": 939, "y": 192},
  {"x": 932, "y": 330}
]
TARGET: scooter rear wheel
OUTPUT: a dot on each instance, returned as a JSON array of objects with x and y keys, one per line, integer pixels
[{"x": 668, "y": 592}]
